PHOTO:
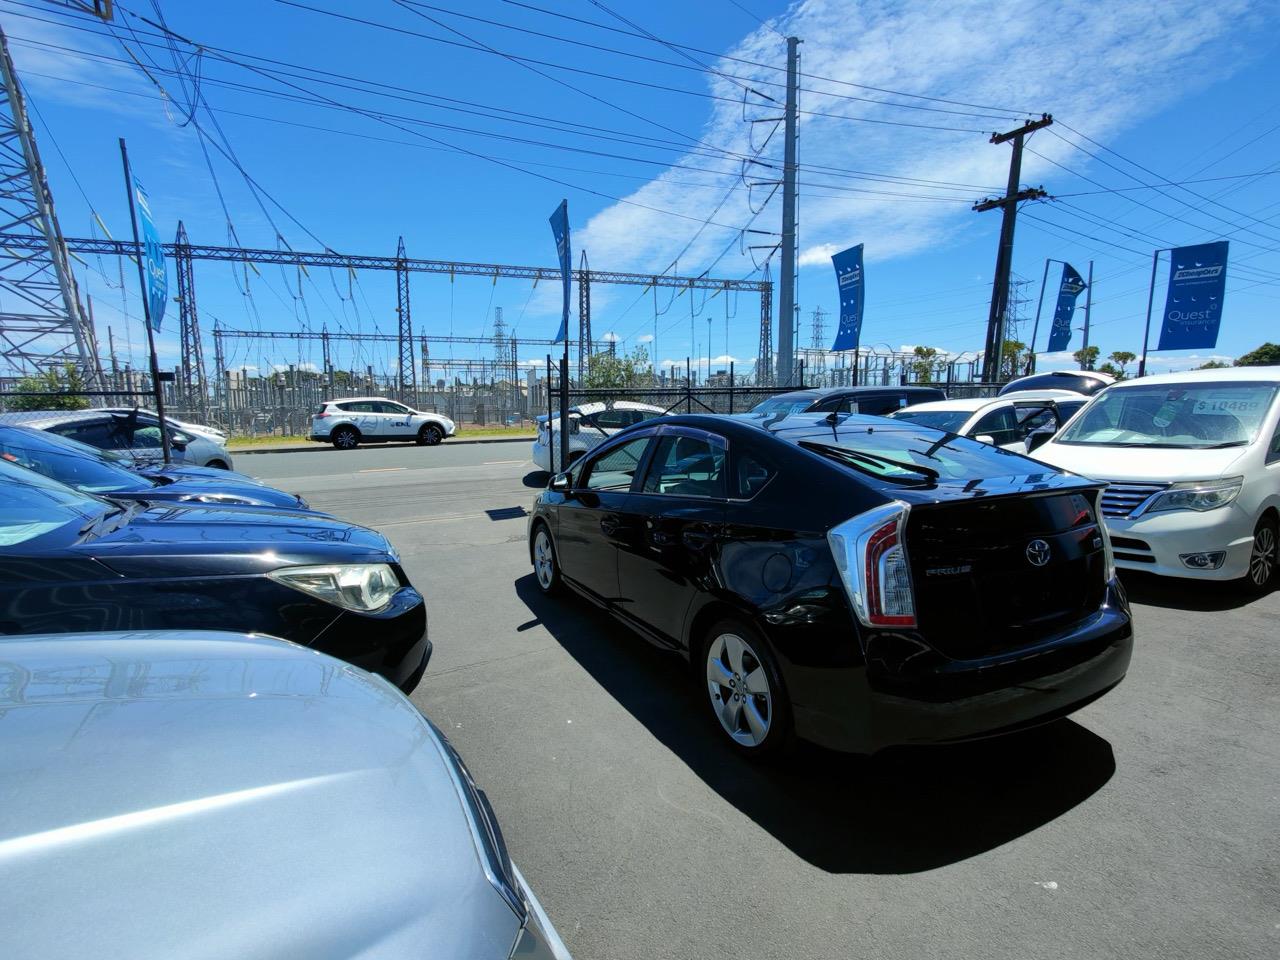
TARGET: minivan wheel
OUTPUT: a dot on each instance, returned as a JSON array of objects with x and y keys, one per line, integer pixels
[
  {"x": 744, "y": 690},
  {"x": 345, "y": 438},
  {"x": 1264, "y": 556},
  {"x": 545, "y": 567},
  {"x": 430, "y": 435}
]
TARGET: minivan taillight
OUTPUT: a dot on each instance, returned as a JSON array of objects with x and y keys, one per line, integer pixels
[{"x": 872, "y": 559}]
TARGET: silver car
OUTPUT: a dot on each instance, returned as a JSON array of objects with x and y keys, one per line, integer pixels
[
  {"x": 189, "y": 794},
  {"x": 134, "y": 433},
  {"x": 590, "y": 424}
]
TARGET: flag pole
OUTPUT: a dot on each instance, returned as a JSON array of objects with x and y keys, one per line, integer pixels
[
  {"x": 1035, "y": 329},
  {"x": 1151, "y": 294},
  {"x": 1088, "y": 305},
  {"x": 146, "y": 304}
]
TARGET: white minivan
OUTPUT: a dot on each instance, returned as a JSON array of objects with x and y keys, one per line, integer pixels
[{"x": 1192, "y": 466}]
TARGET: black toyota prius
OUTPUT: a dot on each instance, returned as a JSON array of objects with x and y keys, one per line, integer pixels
[
  {"x": 850, "y": 580},
  {"x": 73, "y": 562}
]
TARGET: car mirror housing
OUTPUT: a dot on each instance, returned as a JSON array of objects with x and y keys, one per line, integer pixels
[
  {"x": 561, "y": 482},
  {"x": 1038, "y": 440},
  {"x": 986, "y": 438},
  {"x": 178, "y": 441}
]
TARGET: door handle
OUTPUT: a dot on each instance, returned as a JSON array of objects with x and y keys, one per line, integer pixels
[{"x": 609, "y": 526}]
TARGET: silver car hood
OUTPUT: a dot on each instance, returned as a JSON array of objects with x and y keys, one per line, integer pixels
[{"x": 198, "y": 795}]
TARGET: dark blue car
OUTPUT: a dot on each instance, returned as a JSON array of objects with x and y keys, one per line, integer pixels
[
  {"x": 103, "y": 473},
  {"x": 71, "y": 562}
]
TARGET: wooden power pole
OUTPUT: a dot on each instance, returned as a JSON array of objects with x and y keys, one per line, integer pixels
[{"x": 991, "y": 355}]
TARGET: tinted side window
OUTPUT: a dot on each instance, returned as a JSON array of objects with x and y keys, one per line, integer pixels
[
  {"x": 1001, "y": 425},
  {"x": 879, "y": 405},
  {"x": 1033, "y": 418},
  {"x": 612, "y": 419},
  {"x": 146, "y": 437},
  {"x": 686, "y": 467},
  {"x": 750, "y": 474},
  {"x": 615, "y": 470},
  {"x": 99, "y": 433},
  {"x": 359, "y": 406}
]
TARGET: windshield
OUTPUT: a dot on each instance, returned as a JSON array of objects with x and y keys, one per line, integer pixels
[
  {"x": 948, "y": 420},
  {"x": 68, "y": 461},
  {"x": 33, "y": 505},
  {"x": 783, "y": 405},
  {"x": 1193, "y": 416}
]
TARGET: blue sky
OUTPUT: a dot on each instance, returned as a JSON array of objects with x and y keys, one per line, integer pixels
[{"x": 472, "y": 150}]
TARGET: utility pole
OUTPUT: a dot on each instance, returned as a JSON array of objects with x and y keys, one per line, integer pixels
[
  {"x": 787, "y": 282},
  {"x": 1088, "y": 304},
  {"x": 991, "y": 357}
]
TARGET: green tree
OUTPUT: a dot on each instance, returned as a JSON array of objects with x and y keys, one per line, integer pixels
[
  {"x": 1086, "y": 357},
  {"x": 1111, "y": 369},
  {"x": 1213, "y": 365},
  {"x": 926, "y": 363},
  {"x": 1265, "y": 356},
  {"x": 1012, "y": 359},
  {"x": 610, "y": 371},
  {"x": 50, "y": 381},
  {"x": 1121, "y": 358}
]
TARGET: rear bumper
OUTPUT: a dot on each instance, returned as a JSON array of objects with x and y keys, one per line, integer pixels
[
  {"x": 393, "y": 643},
  {"x": 910, "y": 697}
]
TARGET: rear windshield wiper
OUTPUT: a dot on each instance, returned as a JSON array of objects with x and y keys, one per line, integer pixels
[
  {"x": 861, "y": 460},
  {"x": 102, "y": 522}
]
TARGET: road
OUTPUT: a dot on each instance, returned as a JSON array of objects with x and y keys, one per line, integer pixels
[{"x": 1147, "y": 825}]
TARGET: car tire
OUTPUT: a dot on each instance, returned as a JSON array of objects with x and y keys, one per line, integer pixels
[
  {"x": 743, "y": 691},
  {"x": 546, "y": 565},
  {"x": 1264, "y": 557},
  {"x": 430, "y": 435},
  {"x": 345, "y": 438}
]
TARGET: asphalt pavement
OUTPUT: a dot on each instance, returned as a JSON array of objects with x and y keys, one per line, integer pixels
[{"x": 1147, "y": 825}]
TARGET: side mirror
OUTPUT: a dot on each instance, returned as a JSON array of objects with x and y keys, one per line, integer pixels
[
  {"x": 1038, "y": 440},
  {"x": 986, "y": 438},
  {"x": 562, "y": 482},
  {"x": 179, "y": 441}
]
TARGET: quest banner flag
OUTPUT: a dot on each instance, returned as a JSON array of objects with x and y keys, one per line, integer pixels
[
  {"x": 152, "y": 259},
  {"x": 848, "y": 264},
  {"x": 1072, "y": 286},
  {"x": 1193, "y": 306},
  {"x": 560, "y": 230}
]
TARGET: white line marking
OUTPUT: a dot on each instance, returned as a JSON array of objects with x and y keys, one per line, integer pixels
[
  {"x": 380, "y": 469},
  {"x": 488, "y": 463}
]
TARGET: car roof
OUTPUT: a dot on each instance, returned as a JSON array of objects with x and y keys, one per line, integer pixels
[
  {"x": 1047, "y": 394},
  {"x": 34, "y": 417},
  {"x": 965, "y": 404},
  {"x": 221, "y": 769},
  {"x": 349, "y": 399},
  {"x": 1267, "y": 374}
]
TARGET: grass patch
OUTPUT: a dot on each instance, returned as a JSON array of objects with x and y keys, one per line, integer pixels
[
  {"x": 497, "y": 430},
  {"x": 264, "y": 441}
]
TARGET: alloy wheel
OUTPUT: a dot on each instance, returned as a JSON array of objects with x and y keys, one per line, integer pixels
[
  {"x": 544, "y": 559},
  {"x": 346, "y": 439},
  {"x": 1262, "y": 561},
  {"x": 432, "y": 436},
  {"x": 738, "y": 685}
]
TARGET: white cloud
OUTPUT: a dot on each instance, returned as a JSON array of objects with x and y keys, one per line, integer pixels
[
  {"x": 645, "y": 338},
  {"x": 1123, "y": 60}
]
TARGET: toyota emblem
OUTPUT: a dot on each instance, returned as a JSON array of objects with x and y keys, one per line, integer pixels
[{"x": 1037, "y": 553}]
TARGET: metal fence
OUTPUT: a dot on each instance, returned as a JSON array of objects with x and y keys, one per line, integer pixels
[{"x": 282, "y": 404}]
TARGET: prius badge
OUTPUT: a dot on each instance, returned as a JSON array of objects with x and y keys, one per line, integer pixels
[{"x": 1037, "y": 553}]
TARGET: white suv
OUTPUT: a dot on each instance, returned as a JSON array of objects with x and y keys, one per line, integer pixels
[
  {"x": 589, "y": 425},
  {"x": 1192, "y": 466},
  {"x": 350, "y": 422}
]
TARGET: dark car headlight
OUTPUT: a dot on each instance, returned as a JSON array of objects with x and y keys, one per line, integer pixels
[{"x": 362, "y": 587}]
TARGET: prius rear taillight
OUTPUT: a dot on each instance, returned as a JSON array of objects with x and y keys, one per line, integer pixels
[{"x": 872, "y": 559}]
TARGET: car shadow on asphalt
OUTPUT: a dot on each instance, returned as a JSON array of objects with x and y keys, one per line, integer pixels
[
  {"x": 904, "y": 810},
  {"x": 1176, "y": 593}
]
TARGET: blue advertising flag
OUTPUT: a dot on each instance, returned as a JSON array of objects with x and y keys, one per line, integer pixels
[
  {"x": 1193, "y": 307},
  {"x": 152, "y": 259},
  {"x": 848, "y": 264},
  {"x": 560, "y": 230},
  {"x": 1072, "y": 286}
]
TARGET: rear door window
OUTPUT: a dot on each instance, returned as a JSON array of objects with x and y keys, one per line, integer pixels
[
  {"x": 97, "y": 433},
  {"x": 750, "y": 474},
  {"x": 878, "y": 404},
  {"x": 686, "y": 466}
]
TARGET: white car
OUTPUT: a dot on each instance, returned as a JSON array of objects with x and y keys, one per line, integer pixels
[
  {"x": 134, "y": 434},
  {"x": 1006, "y": 422},
  {"x": 589, "y": 425},
  {"x": 1192, "y": 463},
  {"x": 349, "y": 422}
]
